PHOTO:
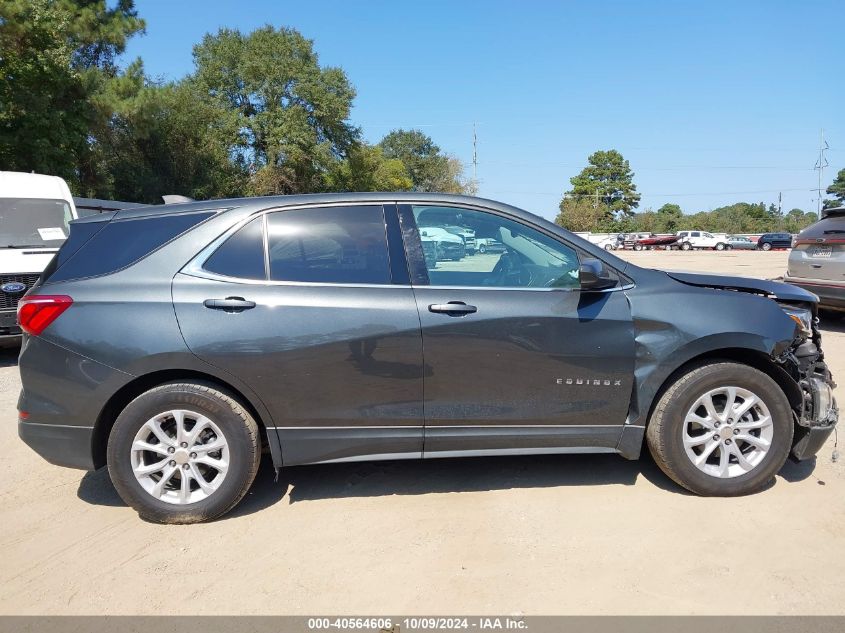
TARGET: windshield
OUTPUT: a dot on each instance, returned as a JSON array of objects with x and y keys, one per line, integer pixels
[{"x": 33, "y": 222}]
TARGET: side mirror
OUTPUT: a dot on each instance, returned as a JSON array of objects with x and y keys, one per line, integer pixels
[{"x": 594, "y": 276}]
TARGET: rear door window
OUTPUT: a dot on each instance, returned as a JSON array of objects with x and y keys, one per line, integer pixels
[
  {"x": 340, "y": 245},
  {"x": 242, "y": 255}
]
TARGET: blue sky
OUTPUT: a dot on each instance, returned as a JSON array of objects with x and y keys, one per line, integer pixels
[{"x": 711, "y": 102}]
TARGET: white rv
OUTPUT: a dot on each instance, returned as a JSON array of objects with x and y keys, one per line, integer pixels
[{"x": 34, "y": 214}]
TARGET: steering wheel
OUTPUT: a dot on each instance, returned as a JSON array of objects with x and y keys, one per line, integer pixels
[{"x": 509, "y": 272}]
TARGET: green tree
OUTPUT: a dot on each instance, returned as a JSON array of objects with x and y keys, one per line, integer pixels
[
  {"x": 837, "y": 190},
  {"x": 56, "y": 58},
  {"x": 165, "y": 139},
  {"x": 366, "y": 169},
  {"x": 579, "y": 214},
  {"x": 669, "y": 218},
  {"x": 293, "y": 114},
  {"x": 608, "y": 178},
  {"x": 428, "y": 167}
]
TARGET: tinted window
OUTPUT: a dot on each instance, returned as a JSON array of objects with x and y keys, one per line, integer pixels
[
  {"x": 329, "y": 245},
  {"x": 242, "y": 255},
  {"x": 80, "y": 233},
  {"x": 501, "y": 253},
  {"x": 124, "y": 242}
]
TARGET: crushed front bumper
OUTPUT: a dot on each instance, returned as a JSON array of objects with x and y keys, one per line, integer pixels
[{"x": 818, "y": 419}]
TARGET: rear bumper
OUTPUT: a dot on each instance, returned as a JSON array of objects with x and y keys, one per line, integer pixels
[
  {"x": 68, "y": 446},
  {"x": 830, "y": 295},
  {"x": 62, "y": 396}
]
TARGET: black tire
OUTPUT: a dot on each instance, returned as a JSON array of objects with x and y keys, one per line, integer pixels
[
  {"x": 234, "y": 421},
  {"x": 608, "y": 247},
  {"x": 664, "y": 431},
  {"x": 482, "y": 249},
  {"x": 720, "y": 247},
  {"x": 686, "y": 246},
  {"x": 728, "y": 247},
  {"x": 638, "y": 247},
  {"x": 766, "y": 246}
]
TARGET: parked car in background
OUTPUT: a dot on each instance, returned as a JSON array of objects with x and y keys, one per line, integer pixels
[
  {"x": 468, "y": 236},
  {"x": 739, "y": 242},
  {"x": 35, "y": 210},
  {"x": 312, "y": 326},
  {"x": 489, "y": 245},
  {"x": 688, "y": 240},
  {"x": 768, "y": 241},
  {"x": 817, "y": 261},
  {"x": 448, "y": 245},
  {"x": 608, "y": 242}
]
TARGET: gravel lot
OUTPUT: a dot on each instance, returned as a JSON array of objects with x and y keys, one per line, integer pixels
[{"x": 544, "y": 535}]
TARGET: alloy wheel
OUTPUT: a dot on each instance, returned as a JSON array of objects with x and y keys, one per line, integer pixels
[
  {"x": 727, "y": 432},
  {"x": 180, "y": 457}
]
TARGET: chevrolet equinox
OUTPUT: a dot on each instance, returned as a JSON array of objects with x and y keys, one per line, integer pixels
[{"x": 175, "y": 344}]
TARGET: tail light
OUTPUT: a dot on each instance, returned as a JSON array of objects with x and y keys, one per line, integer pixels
[{"x": 36, "y": 312}]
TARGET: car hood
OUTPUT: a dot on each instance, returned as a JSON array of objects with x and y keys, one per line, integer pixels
[{"x": 774, "y": 289}]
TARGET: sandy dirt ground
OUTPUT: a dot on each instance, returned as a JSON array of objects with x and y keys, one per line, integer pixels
[{"x": 542, "y": 535}]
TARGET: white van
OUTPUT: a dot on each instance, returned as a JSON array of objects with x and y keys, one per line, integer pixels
[{"x": 34, "y": 214}]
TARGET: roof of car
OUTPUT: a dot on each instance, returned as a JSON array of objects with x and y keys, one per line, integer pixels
[{"x": 265, "y": 202}]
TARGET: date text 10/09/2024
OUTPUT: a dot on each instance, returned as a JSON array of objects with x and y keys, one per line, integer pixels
[{"x": 418, "y": 623}]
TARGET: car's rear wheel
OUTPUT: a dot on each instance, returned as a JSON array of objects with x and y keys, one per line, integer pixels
[
  {"x": 720, "y": 247},
  {"x": 183, "y": 453},
  {"x": 722, "y": 429}
]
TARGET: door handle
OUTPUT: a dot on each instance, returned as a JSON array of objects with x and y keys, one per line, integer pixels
[
  {"x": 229, "y": 304},
  {"x": 453, "y": 308}
]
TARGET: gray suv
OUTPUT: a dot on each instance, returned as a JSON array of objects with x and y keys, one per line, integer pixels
[{"x": 175, "y": 344}]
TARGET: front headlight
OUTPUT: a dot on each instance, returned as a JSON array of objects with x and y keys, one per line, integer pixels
[{"x": 801, "y": 316}]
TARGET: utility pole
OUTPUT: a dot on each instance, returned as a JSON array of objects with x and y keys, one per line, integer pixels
[
  {"x": 821, "y": 163},
  {"x": 780, "y": 203}
]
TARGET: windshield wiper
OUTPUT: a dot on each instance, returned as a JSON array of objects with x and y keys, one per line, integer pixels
[
  {"x": 834, "y": 231},
  {"x": 27, "y": 246}
]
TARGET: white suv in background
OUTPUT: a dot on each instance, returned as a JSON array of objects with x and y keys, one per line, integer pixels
[
  {"x": 702, "y": 239},
  {"x": 34, "y": 214}
]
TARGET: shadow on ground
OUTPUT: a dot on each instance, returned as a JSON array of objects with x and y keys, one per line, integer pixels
[{"x": 417, "y": 477}]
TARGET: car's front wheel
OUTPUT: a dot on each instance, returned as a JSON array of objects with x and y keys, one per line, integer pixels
[
  {"x": 766, "y": 246},
  {"x": 722, "y": 429},
  {"x": 183, "y": 453}
]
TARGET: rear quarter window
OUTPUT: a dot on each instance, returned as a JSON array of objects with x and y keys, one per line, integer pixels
[{"x": 121, "y": 243}]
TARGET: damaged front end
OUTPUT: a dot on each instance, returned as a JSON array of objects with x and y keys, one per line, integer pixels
[{"x": 816, "y": 414}]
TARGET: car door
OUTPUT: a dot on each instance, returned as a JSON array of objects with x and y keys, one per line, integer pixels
[
  {"x": 518, "y": 358},
  {"x": 312, "y": 310}
]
